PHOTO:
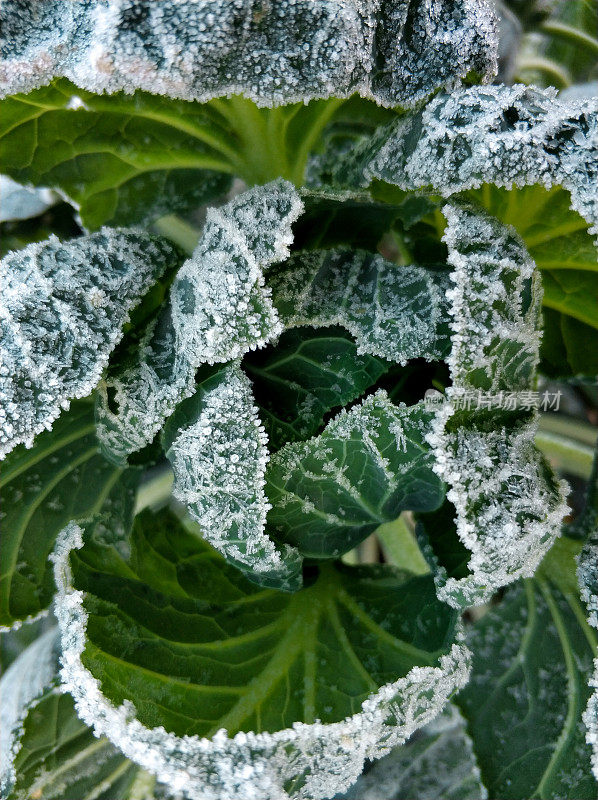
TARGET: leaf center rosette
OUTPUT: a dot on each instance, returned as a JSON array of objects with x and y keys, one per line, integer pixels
[{"x": 156, "y": 623}]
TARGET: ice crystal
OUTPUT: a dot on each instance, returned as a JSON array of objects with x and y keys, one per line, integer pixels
[
  {"x": 219, "y": 462},
  {"x": 62, "y": 310},
  {"x": 317, "y": 760},
  {"x": 508, "y": 504},
  {"x": 438, "y": 762},
  {"x": 503, "y": 135},
  {"x": 219, "y": 310},
  {"x": 26, "y": 678},
  {"x": 397, "y": 313},
  {"x": 588, "y": 584},
  {"x": 274, "y": 53},
  {"x": 22, "y": 202}
]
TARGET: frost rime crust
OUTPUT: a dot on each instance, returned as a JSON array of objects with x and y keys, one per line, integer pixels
[
  {"x": 219, "y": 464},
  {"x": 61, "y": 315},
  {"x": 219, "y": 310},
  {"x": 392, "y": 312},
  {"x": 397, "y": 52},
  {"x": 587, "y": 573},
  {"x": 508, "y": 504},
  {"x": 321, "y": 759},
  {"x": 495, "y": 134}
]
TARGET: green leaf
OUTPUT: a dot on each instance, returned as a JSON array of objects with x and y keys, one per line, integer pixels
[
  {"x": 569, "y": 347},
  {"x": 52, "y": 753},
  {"x": 304, "y": 376},
  {"x": 218, "y": 451},
  {"x": 61, "y": 478},
  {"x": 272, "y": 54},
  {"x": 64, "y": 306},
  {"x": 438, "y": 762},
  {"x": 393, "y": 312},
  {"x": 369, "y": 464},
  {"x": 22, "y": 202},
  {"x": 181, "y": 634},
  {"x": 529, "y": 686},
  {"x": 121, "y": 159}
]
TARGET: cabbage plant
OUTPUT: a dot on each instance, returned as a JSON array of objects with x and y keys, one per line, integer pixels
[{"x": 283, "y": 282}]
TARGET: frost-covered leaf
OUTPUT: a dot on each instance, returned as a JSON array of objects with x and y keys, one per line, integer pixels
[
  {"x": 22, "y": 202},
  {"x": 218, "y": 450},
  {"x": 529, "y": 685},
  {"x": 587, "y": 573},
  {"x": 558, "y": 240},
  {"x": 61, "y": 478},
  {"x": 62, "y": 311},
  {"x": 437, "y": 762},
  {"x": 45, "y": 749},
  {"x": 500, "y": 135},
  {"x": 368, "y": 465},
  {"x": 508, "y": 504},
  {"x": 396, "y": 313},
  {"x": 219, "y": 310},
  {"x": 275, "y": 54},
  {"x": 198, "y": 651},
  {"x": 305, "y": 375}
]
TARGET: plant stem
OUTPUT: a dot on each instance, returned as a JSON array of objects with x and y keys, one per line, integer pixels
[
  {"x": 155, "y": 490},
  {"x": 178, "y": 231},
  {"x": 400, "y": 547},
  {"x": 567, "y": 444}
]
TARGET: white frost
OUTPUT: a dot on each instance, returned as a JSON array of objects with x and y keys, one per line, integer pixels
[
  {"x": 505, "y": 135},
  {"x": 587, "y": 573},
  {"x": 392, "y": 312},
  {"x": 23, "y": 202},
  {"x": 62, "y": 310},
  {"x": 219, "y": 463},
  {"x": 274, "y": 53},
  {"x": 509, "y": 505},
  {"x": 219, "y": 310}
]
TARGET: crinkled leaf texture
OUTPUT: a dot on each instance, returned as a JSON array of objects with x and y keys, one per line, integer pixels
[
  {"x": 45, "y": 749},
  {"x": 369, "y": 464},
  {"x": 218, "y": 450},
  {"x": 237, "y": 690},
  {"x": 495, "y": 134},
  {"x": 397, "y": 53},
  {"x": 507, "y": 501},
  {"x": 532, "y": 665},
  {"x": 61, "y": 478},
  {"x": 62, "y": 311},
  {"x": 437, "y": 762},
  {"x": 219, "y": 310},
  {"x": 588, "y": 583}
]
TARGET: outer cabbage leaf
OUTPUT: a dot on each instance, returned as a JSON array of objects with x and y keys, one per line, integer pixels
[
  {"x": 284, "y": 52},
  {"x": 203, "y": 653},
  {"x": 396, "y": 313},
  {"x": 219, "y": 310},
  {"x": 437, "y": 762},
  {"x": 529, "y": 685},
  {"x": 218, "y": 451},
  {"x": 369, "y": 464},
  {"x": 61, "y": 478},
  {"x": 46, "y": 750},
  {"x": 62, "y": 311}
]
